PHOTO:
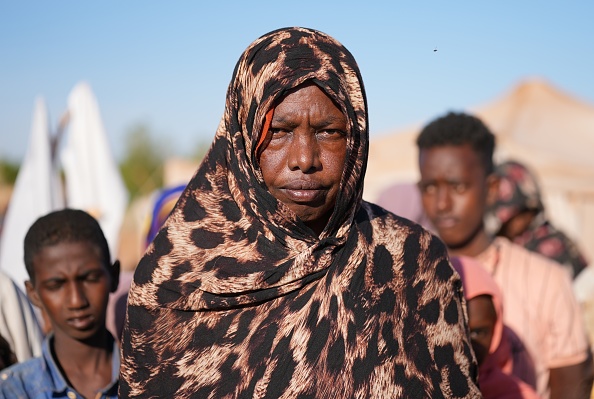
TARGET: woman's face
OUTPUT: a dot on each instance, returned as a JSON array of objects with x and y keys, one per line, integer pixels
[
  {"x": 481, "y": 322},
  {"x": 304, "y": 154}
]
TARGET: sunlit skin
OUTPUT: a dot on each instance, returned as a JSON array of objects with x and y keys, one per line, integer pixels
[
  {"x": 304, "y": 155},
  {"x": 455, "y": 192},
  {"x": 72, "y": 286},
  {"x": 481, "y": 323}
]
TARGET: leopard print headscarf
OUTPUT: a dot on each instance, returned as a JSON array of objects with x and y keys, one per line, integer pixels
[{"x": 236, "y": 297}]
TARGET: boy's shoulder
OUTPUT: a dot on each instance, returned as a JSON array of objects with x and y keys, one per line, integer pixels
[
  {"x": 25, "y": 378},
  {"x": 524, "y": 261}
]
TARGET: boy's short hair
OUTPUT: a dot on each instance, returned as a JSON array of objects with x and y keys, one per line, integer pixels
[
  {"x": 458, "y": 129},
  {"x": 66, "y": 225}
]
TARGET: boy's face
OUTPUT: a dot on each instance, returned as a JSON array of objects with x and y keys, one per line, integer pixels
[
  {"x": 454, "y": 192},
  {"x": 72, "y": 285},
  {"x": 481, "y": 323}
]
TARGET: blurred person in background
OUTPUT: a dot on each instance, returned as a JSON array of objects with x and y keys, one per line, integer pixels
[
  {"x": 487, "y": 333},
  {"x": 162, "y": 206},
  {"x": 404, "y": 200},
  {"x": 457, "y": 186},
  {"x": 521, "y": 216}
]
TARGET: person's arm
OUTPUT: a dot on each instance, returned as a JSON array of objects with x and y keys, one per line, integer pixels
[
  {"x": 572, "y": 381},
  {"x": 569, "y": 359}
]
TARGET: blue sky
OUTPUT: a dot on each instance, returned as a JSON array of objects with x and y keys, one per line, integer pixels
[{"x": 167, "y": 64}]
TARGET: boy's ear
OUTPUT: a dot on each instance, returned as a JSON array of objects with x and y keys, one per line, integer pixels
[
  {"x": 115, "y": 275},
  {"x": 492, "y": 189},
  {"x": 32, "y": 294}
]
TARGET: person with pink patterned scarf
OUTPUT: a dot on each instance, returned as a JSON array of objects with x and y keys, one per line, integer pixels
[{"x": 521, "y": 215}]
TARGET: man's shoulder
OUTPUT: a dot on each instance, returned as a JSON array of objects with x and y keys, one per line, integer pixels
[
  {"x": 29, "y": 367},
  {"x": 520, "y": 257},
  {"x": 22, "y": 376}
]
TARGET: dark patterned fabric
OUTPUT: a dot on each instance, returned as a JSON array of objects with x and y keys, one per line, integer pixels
[
  {"x": 237, "y": 298},
  {"x": 547, "y": 240},
  {"x": 519, "y": 192}
]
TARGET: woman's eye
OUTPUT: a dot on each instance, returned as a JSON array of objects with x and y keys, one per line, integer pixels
[
  {"x": 331, "y": 134},
  {"x": 276, "y": 133}
]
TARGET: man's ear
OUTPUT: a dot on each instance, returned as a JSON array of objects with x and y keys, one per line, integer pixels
[
  {"x": 114, "y": 271},
  {"x": 492, "y": 189},
  {"x": 32, "y": 294}
]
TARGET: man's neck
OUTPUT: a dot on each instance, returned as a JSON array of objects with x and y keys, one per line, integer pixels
[
  {"x": 474, "y": 247},
  {"x": 85, "y": 356},
  {"x": 86, "y": 365}
]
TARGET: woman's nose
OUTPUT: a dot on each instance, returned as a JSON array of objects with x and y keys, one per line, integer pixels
[{"x": 304, "y": 153}]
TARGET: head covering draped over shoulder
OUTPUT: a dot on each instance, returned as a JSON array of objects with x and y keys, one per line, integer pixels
[
  {"x": 237, "y": 297},
  {"x": 476, "y": 282},
  {"x": 519, "y": 192}
]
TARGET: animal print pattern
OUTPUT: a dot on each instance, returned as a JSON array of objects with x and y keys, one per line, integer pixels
[{"x": 237, "y": 298}]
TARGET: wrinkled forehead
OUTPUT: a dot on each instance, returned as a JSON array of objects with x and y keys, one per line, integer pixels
[{"x": 282, "y": 60}]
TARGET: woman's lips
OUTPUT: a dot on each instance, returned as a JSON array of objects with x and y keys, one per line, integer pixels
[
  {"x": 304, "y": 191},
  {"x": 304, "y": 196}
]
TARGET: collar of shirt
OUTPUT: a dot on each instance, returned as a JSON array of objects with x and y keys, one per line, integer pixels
[
  {"x": 59, "y": 382},
  {"x": 490, "y": 256}
]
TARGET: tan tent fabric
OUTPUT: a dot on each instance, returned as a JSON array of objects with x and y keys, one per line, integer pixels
[{"x": 536, "y": 123}]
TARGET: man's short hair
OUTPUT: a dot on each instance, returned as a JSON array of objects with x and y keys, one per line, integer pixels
[
  {"x": 66, "y": 225},
  {"x": 458, "y": 129}
]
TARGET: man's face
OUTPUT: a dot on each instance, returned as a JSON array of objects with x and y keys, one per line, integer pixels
[
  {"x": 72, "y": 286},
  {"x": 454, "y": 191}
]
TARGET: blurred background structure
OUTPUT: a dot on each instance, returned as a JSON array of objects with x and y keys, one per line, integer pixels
[{"x": 76, "y": 170}]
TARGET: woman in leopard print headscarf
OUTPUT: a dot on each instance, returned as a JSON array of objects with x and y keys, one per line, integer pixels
[{"x": 259, "y": 287}]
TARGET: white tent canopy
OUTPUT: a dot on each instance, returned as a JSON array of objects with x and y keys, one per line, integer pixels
[
  {"x": 535, "y": 123},
  {"x": 36, "y": 192},
  {"x": 91, "y": 176}
]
